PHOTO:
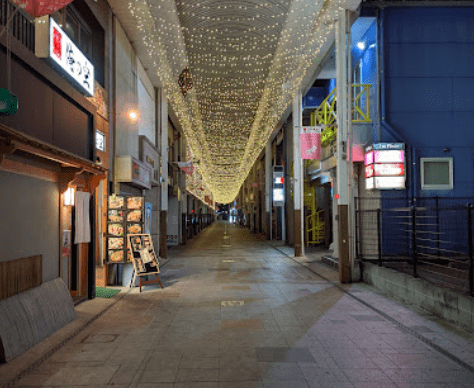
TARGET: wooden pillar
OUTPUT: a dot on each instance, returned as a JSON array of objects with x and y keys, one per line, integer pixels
[
  {"x": 327, "y": 215},
  {"x": 345, "y": 268}
]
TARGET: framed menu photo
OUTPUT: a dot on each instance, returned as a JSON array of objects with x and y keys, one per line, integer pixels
[
  {"x": 143, "y": 258},
  {"x": 125, "y": 215}
]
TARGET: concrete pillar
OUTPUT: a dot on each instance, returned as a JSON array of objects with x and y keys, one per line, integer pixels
[
  {"x": 268, "y": 190},
  {"x": 162, "y": 109},
  {"x": 298, "y": 175},
  {"x": 343, "y": 112},
  {"x": 184, "y": 193},
  {"x": 184, "y": 214}
]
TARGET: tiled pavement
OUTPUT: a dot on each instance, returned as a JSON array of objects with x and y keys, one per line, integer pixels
[{"x": 249, "y": 316}]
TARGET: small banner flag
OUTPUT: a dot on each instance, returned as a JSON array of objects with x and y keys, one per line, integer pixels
[
  {"x": 310, "y": 140},
  {"x": 187, "y": 167}
]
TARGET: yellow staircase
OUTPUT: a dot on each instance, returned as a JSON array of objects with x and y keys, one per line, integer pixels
[
  {"x": 314, "y": 224},
  {"x": 326, "y": 114}
]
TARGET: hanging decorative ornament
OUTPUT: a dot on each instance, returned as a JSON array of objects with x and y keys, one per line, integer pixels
[
  {"x": 185, "y": 81},
  {"x": 39, "y": 8}
]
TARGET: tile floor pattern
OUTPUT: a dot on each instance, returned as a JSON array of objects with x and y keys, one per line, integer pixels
[{"x": 249, "y": 317}]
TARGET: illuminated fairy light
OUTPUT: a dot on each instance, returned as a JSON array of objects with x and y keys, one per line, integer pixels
[{"x": 247, "y": 61}]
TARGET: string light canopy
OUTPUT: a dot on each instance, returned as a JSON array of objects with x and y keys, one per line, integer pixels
[{"x": 247, "y": 59}]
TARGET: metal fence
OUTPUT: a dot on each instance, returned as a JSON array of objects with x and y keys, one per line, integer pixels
[{"x": 430, "y": 238}]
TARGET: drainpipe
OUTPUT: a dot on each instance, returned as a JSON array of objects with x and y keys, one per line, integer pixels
[
  {"x": 350, "y": 166},
  {"x": 379, "y": 70},
  {"x": 113, "y": 97},
  {"x": 411, "y": 167}
]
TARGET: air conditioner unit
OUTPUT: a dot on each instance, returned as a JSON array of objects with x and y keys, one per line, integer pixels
[
  {"x": 151, "y": 157},
  {"x": 133, "y": 171}
]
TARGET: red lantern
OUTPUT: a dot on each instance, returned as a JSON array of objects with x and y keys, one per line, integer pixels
[{"x": 39, "y": 8}]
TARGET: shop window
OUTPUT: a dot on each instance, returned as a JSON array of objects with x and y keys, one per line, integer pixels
[
  {"x": 436, "y": 173},
  {"x": 76, "y": 28}
]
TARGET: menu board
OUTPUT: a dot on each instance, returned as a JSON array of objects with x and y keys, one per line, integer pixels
[
  {"x": 143, "y": 254},
  {"x": 124, "y": 216}
]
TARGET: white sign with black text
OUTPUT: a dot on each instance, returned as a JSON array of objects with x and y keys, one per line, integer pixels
[{"x": 52, "y": 42}]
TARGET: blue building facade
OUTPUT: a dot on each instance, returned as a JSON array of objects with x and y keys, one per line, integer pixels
[
  {"x": 427, "y": 81},
  {"x": 423, "y": 60}
]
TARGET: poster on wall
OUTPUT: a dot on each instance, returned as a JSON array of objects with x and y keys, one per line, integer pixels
[
  {"x": 310, "y": 142},
  {"x": 148, "y": 213}
]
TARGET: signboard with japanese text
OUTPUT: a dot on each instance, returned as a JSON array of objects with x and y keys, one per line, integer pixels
[
  {"x": 278, "y": 186},
  {"x": 53, "y": 43},
  {"x": 385, "y": 166},
  {"x": 310, "y": 142},
  {"x": 99, "y": 141}
]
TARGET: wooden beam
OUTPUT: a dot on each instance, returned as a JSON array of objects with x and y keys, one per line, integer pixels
[
  {"x": 66, "y": 176},
  {"x": 93, "y": 182},
  {"x": 28, "y": 170},
  {"x": 6, "y": 148}
]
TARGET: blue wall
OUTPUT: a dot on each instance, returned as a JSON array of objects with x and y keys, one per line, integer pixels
[
  {"x": 314, "y": 97},
  {"x": 369, "y": 65},
  {"x": 429, "y": 87}
]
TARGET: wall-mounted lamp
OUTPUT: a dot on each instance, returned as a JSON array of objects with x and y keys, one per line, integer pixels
[
  {"x": 69, "y": 197},
  {"x": 133, "y": 115}
]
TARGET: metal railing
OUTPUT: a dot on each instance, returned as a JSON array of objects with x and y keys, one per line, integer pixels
[
  {"x": 21, "y": 27},
  {"x": 361, "y": 103},
  {"x": 314, "y": 228},
  {"x": 326, "y": 114},
  {"x": 432, "y": 238}
]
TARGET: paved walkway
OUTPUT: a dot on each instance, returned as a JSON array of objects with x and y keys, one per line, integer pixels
[{"x": 241, "y": 313}]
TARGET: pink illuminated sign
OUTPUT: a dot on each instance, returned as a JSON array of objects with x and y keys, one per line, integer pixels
[
  {"x": 369, "y": 157},
  {"x": 385, "y": 166},
  {"x": 389, "y": 156}
]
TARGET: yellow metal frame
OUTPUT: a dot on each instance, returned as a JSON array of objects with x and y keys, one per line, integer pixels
[
  {"x": 326, "y": 113},
  {"x": 361, "y": 103},
  {"x": 314, "y": 227}
]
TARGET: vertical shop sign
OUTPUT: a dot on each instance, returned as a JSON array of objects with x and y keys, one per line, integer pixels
[
  {"x": 52, "y": 43},
  {"x": 385, "y": 166},
  {"x": 310, "y": 142}
]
